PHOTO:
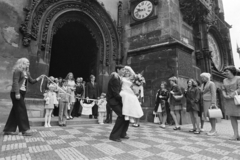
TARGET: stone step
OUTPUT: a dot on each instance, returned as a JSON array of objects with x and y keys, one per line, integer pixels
[{"x": 54, "y": 121}]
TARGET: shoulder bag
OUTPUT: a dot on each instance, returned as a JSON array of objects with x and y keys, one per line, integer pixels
[{"x": 237, "y": 98}]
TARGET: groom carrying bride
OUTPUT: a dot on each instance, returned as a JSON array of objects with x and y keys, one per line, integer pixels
[{"x": 114, "y": 100}]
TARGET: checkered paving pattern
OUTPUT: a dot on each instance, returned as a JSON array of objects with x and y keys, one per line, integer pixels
[{"x": 90, "y": 142}]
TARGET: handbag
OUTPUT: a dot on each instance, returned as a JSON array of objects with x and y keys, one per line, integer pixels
[
  {"x": 237, "y": 98},
  {"x": 215, "y": 112},
  {"x": 156, "y": 119}
]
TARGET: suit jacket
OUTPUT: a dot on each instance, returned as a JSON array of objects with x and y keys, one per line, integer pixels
[
  {"x": 92, "y": 91},
  {"x": 114, "y": 88},
  {"x": 79, "y": 90},
  {"x": 18, "y": 78},
  {"x": 209, "y": 92}
]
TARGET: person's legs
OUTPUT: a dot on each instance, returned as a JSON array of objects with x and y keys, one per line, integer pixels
[
  {"x": 46, "y": 118},
  {"x": 192, "y": 120},
  {"x": 100, "y": 117},
  {"x": 174, "y": 118},
  {"x": 178, "y": 116},
  {"x": 213, "y": 124},
  {"x": 61, "y": 113},
  {"x": 160, "y": 117},
  {"x": 202, "y": 123},
  {"x": 71, "y": 109},
  {"x": 120, "y": 126},
  {"x": 164, "y": 118},
  {"x": 234, "y": 123},
  {"x": 11, "y": 124},
  {"x": 196, "y": 119},
  {"x": 49, "y": 118},
  {"x": 65, "y": 115}
]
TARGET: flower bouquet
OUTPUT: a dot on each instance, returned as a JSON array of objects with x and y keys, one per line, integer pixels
[{"x": 138, "y": 81}]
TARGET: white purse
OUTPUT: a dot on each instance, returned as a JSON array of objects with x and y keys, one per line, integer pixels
[
  {"x": 237, "y": 99},
  {"x": 156, "y": 119},
  {"x": 215, "y": 112}
]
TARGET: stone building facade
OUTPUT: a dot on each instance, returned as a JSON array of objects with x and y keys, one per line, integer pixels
[{"x": 163, "y": 38}]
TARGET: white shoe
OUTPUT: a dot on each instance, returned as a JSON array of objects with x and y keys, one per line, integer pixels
[
  {"x": 49, "y": 125},
  {"x": 101, "y": 123},
  {"x": 202, "y": 130},
  {"x": 212, "y": 133},
  {"x": 126, "y": 118},
  {"x": 45, "y": 125}
]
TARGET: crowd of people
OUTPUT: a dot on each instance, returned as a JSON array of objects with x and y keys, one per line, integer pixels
[
  {"x": 124, "y": 96},
  {"x": 200, "y": 97},
  {"x": 68, "y": 98}
]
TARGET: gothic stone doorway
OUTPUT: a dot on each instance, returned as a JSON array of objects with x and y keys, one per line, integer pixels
[
  {"x": 46, "y": 19},
  {"x": 73, "y": 50}
]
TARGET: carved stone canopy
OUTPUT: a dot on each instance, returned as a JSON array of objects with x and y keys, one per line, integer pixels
[
  {"x": 193, "y": 11},
  {"x": 42, "y": 21}
]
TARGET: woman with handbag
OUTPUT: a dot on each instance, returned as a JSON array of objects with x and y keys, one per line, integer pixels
[
  {"x": 231, "y": 89},
  {"x": 175, "y": 102},
  {"x": 192, "y": 95},
  {"x": 161, "y": 104},
  {"x": 209, "y": 100}
]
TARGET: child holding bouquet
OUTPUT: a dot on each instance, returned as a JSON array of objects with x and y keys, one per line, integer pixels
[{"x": 130, "y": 86}]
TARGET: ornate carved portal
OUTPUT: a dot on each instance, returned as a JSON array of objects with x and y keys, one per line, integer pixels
[{"x": 44, "y": 17}]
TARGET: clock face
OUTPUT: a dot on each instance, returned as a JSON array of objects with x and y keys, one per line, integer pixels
[
  {"x": 143, "y": 10},
  {"x": 216, "y": 56}
]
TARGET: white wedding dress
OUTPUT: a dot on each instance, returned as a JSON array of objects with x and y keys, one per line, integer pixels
[{"x": 131, "y": 105}]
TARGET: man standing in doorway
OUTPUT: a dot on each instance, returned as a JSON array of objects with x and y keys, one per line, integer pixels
[
  {"x": 92, "y": 92},
  {"x": 114, "y": 100}
]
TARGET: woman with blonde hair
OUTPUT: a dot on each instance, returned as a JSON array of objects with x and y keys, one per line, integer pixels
[
  {"x": 72, "y": 86},
  {"x": 18, "y": 116},
  {"x": 231, "y": 87},
  {"x": 209, "y": 99}
]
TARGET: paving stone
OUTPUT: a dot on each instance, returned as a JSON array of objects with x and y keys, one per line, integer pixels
[{"x": 148, "y": 142}]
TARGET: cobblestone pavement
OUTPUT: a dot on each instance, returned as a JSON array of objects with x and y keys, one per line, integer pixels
[{"x": 147, "y": 142}]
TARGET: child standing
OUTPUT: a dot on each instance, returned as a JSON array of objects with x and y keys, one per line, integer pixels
[
  {"x": 51, "y": 99},
  {"x": 101, "y": 108},
  {"x": 63, "y": 104}
]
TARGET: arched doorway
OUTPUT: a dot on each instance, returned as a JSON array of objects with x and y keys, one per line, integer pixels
[
  {"x": 73, "y": 50},
  {"x": 47, "y": 19}
]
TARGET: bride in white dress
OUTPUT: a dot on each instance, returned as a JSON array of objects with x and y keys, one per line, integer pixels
[{"x": 131, "y": 105}]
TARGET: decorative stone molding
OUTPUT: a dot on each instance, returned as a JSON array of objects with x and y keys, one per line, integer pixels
[
  {"x": 41, "y": 15},
  {"x": 193, "y": 11}
]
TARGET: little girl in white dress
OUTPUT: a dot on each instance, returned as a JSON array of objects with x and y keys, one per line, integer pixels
[{"x": 131, "y": 105}]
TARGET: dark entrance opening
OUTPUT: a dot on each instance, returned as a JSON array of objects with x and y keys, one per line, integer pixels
[{"x": 73, "y": 50}]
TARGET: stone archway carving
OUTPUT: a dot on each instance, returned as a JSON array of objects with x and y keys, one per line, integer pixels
[{"x": 42, "y": 14}]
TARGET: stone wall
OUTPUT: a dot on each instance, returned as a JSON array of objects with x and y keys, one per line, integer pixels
[{"x": 11, "y": 16}]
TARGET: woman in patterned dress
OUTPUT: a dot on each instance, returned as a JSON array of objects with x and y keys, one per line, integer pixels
[{"x": 231, "y": 87}]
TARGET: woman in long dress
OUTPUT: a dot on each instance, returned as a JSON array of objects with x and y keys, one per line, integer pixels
[
  {"x": 131, "y": 104},
  {"x": 72, "y": 86},
  {"x": 231, "y": 87}
]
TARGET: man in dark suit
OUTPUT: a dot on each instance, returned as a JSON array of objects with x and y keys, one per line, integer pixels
[
  {"x": 92, "y": 92},
  {"x": 114, "y": 100}
]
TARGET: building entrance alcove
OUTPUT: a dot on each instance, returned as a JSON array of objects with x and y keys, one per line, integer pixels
[{"x": 73, "y": 50}]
